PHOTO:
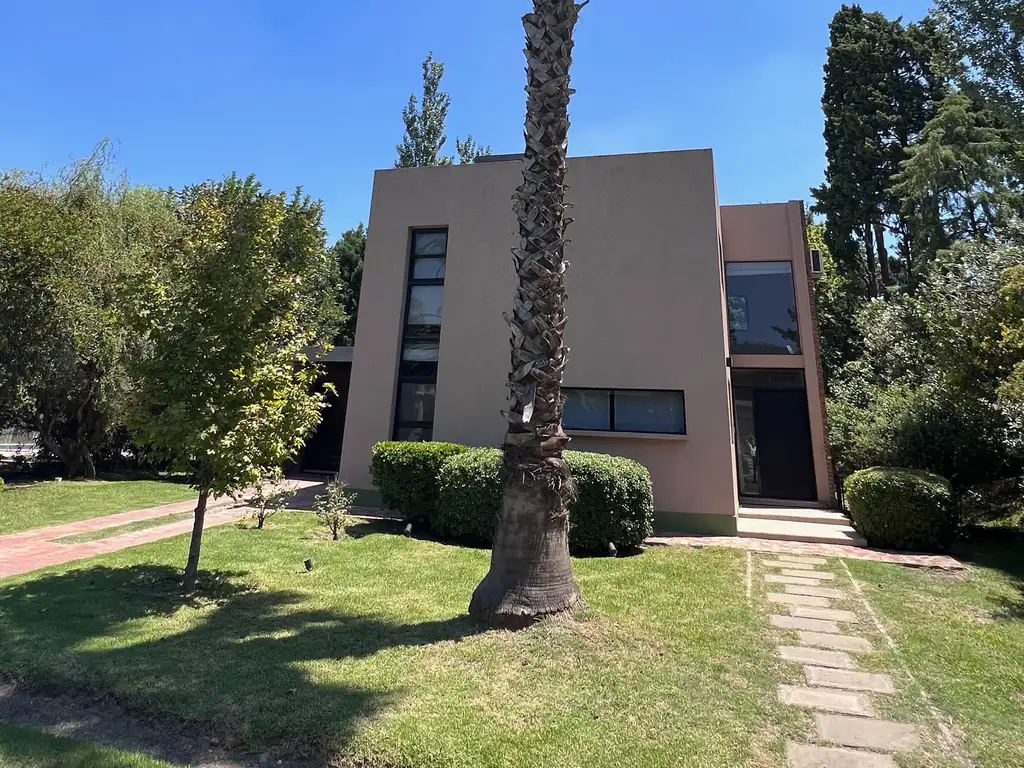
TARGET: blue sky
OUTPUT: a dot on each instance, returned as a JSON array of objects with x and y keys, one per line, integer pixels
[{"x": 310, "y": 92}]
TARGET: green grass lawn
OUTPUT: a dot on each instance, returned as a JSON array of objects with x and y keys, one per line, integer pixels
[
  {"x": 961, "y": 636},
  {"x": 42, "y": 504},
  {"x": 371, "y": 657},
  {"x": 28, "y": 749}
]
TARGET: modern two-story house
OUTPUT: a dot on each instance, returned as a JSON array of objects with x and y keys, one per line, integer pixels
[{"x": 693, "y": 338}]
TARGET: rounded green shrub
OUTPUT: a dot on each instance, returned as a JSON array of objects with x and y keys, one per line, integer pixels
[
  {"x": 406, "y": 476},
  {"x": 901, "y": 508},
  {"x": 469, "y": 496},
  {"x": 614, "y": 502}
]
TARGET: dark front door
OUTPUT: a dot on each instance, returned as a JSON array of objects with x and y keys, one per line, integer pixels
[
  {"x": 322, "y": 452},
  {"x": 782, "y": 429}
]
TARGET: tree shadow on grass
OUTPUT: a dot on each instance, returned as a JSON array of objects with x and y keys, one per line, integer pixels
[
  {"x": 999, "y": 550},
  {"x": 246, "y": 664}
]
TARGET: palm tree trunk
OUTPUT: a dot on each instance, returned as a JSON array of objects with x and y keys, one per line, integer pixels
[
  {"x": 188, "y": 586},
  {"x": 531, "y": 573}
]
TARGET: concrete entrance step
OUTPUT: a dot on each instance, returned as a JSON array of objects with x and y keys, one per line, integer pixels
[
  {"x": 794, "y": 514},
  {"x": 788, "y": 530}
]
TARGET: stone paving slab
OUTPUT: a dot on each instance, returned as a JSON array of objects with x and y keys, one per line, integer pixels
[
  {"x": 836, "y": 642},
  {"x": 805, "y": 600},
  {"x": 806, "y": 625},
  {"x": 883, "y": 735},
  {"x": 777, "y": 578},
  {"x": 797, "y": 566},
  {"x": 817, "y": 575},
  {"x": 822, "y": 699},
  {"x": 943, "y": 562},
  {"x": 817, "y": 657},
  {"x": 814, "y": 591},
  {"x": 826, "y": 614},
  {"x": 802, "y": 559},
  {"x": 849, "y": 680},
  {"x": 806, "y": 756}
]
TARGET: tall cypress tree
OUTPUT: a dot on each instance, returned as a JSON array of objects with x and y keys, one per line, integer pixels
[{"x": 880, "y": 91}]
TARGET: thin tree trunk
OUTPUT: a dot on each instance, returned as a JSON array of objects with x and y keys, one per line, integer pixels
[
  {"x": 531, "y": 573},
  {"x": 883, "y": 256},
  {"x": 188, "y": 586},
  {"x": 869, "y": 252}
]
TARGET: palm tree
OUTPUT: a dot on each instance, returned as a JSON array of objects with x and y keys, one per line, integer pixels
[{"x": 531, "y": 573}]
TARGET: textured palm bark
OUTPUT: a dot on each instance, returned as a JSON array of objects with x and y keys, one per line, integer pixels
[{"x": 531, "y": 573}]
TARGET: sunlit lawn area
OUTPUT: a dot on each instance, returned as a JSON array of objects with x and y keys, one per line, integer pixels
[
  {"x": 41, "y": 504},
  {"x": 28, "y": 749},
  {"x": 370, "y": 655},
  {"x": 962, "y": 637}
]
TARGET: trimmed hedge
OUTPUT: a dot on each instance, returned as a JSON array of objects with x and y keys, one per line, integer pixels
[
  {"x": 615, "y": 500},
  {"x": 901, "y": 508},
  {"x": 406, "y": 476}
]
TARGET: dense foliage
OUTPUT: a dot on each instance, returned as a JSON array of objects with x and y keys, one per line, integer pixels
[
  {"x": 614, "y": 501},
  {"x": 901, "y": 508},
  {"x": 221, "y": 394},
  {"x": 406, "y": 476},
  {"x": 922, "y": 302},
  {"x": 68, "y": 245}
]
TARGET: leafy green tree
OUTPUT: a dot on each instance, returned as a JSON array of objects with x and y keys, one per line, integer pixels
[
  {"x": 425, "y": 137},
  {"x": 880, "y": 91},
  {"x": 349, "y": 253},
  {"x": 987, "y": 38},
  {"x": 958, "y": 182},
  {"x": 836, "y": 301},
  {"x": 531, "y": 573},
  {"x": 222, "y": 395},
  {"x": 66, "y": 245}
]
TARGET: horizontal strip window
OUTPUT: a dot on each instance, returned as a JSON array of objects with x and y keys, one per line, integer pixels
[
  {"x": 417, "y": 369},
  {"x": 656, "y": 412}
]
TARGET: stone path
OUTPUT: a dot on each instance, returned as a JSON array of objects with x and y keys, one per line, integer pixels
[
  {"x": 847, "y": 730},
  {"x": 815, "y": 551}
]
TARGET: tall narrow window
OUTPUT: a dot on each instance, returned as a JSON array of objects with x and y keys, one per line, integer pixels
[{"x": 421, "y": 338}]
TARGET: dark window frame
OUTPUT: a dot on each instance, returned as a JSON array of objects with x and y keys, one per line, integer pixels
[
  {"x": 611, "y": 410},
  {"x": 417, "y": 333}
]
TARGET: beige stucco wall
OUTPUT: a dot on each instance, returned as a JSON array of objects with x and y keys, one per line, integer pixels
[
  {"x": 774, "y": 232},
  {"x": 646, "y": 304}
]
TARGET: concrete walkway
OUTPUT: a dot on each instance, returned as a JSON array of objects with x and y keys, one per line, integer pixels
[{"x": 827, "y": 642}]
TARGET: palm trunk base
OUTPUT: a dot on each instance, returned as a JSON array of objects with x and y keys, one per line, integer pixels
[{"x": 531, "y": 572}]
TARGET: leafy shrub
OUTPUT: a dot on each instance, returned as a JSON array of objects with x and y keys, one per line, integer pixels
[
  {"x": 901, "y": 508},
  {"x": 271, "y": 497},
  {"x": 406, "y": 476},
  {"x": 923, "y": 427},
  {"x": 614, "y": 504},
  {"x": 469, "y": 496},
  {"x": 332, "y": 508}
]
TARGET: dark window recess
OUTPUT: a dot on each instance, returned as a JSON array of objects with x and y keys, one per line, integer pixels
[
  {"x": 762, "y": 308},
  {"x": 661, "y": 412},
  {"x": 421, "y": 337}
]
